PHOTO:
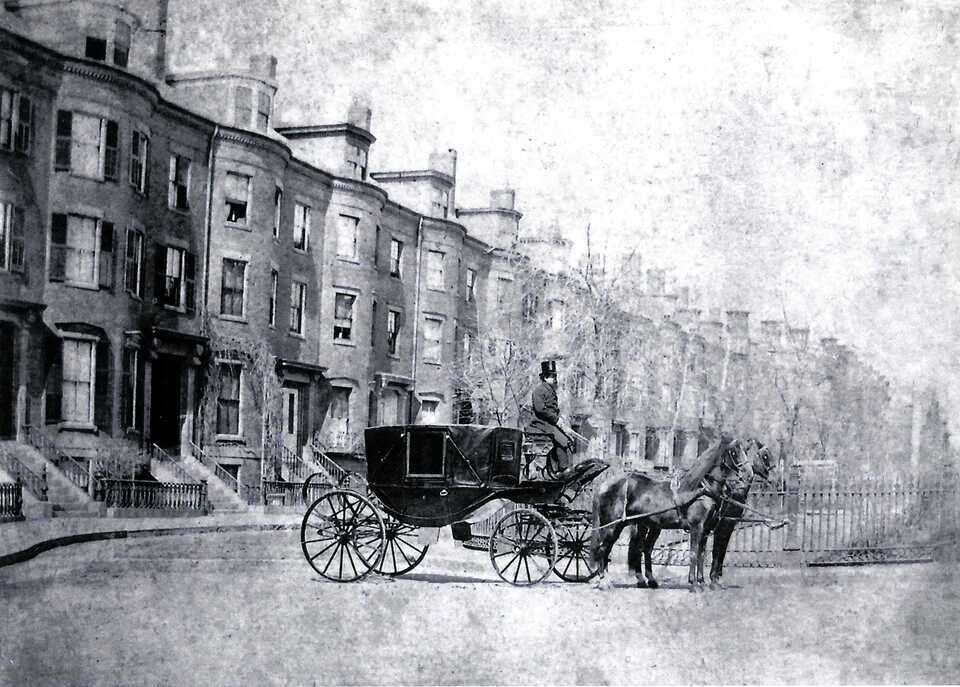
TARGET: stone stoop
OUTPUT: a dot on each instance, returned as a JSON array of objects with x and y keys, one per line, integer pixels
[
  {"x": 32, "y": 507},
  {"x": 221, "y": 497},
  {"x": 65, "y": 498}
]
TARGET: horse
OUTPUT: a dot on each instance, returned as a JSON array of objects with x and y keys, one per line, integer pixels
[
  {"x": 688, "y": 504},
  {"x": 725, "y": 518}
]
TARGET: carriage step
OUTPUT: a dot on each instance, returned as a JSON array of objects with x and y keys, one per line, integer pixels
[{"x": 461, "y": 531}]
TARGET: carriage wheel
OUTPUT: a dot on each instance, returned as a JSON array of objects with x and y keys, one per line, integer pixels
[
  {"x": 401, "y": 553},
  {"x": 523, "y": 547},
  {"x": 342, "y": 536},
  {"x": 574, "y": 563}
]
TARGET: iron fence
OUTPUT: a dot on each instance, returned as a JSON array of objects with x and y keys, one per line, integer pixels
[
  {"x": 128, "y": 493},
  {"x": 11, "y": 501},
  {"x": 292, "y": 493},
  {"x": 35, "y": 483}
]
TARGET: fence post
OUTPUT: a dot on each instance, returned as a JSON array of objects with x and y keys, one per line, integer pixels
[
  {"x": 91, "y": 482},
  {"x": 43, "y": 481},
  {"x": 792, "y": 541},
  {"x": 18, "y": 499},
  {"x": 203, "y": 497}
]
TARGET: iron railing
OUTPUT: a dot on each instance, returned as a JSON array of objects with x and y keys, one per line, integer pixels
[
  {"x": 156, "y": 453},
  {"x": 339, "y": 476},
  {"x": 129, "y": 493},
  {"x": 211, "y": 464},
  {"x": 36, "y": 484},
  {"x": 11, "y": 501},
  {"x": 74, "y": 471},
  {"x": 296, "y": 469},
  {"x": 293, "y": 493}
]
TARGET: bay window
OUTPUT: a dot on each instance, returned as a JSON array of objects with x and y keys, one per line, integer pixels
[
  {"x": 81, "y": 251},
  {"x": 87, "y": 145},
  {"x": 301, "y": 226},
  {"x": 343, "y": 317},
  {"x": 179, "y": 183},
  {"x": 237, "y": 198},
  {"x": 232, "y": 287},
  {"x": 434, "y": 270},
  {"x": 139, "y": 148},
  {"x": 347, "y": 237}
]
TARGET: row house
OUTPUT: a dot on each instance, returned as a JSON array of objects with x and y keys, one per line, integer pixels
[{"x": 179, "y": 269}]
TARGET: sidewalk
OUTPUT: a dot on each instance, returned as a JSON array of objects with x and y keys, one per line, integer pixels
[{"x": 23, "y": 540}]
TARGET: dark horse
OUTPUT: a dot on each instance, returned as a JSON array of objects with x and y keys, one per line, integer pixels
[
  {"x": 688, "y": 504},
  {"x": 725, "y": 518}
]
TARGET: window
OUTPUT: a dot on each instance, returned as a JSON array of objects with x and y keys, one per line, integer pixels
[
  {"x": 175, "y": 278},
  {"x": 504, "y": 291},
  {"x": 471, "y": 285},
  {"x": 179, "y": 188},
  {"x": 231, "y": 287},
  {"x": 396, "y": 258},
  {"x": 79, "y": 367},
  {"x": 376, "y": 248},
  {"x": 263, "y": 111},
  {"x": 139, "y": 144},
  {"x": 277, "y": 205},
  {"x": 133, "y": 263},
  {"x": 393, "y": 330},
  {"x": 87, "y": 146},
  {"x": 11, "y": 237},
  {"x": 121, "y": 44},
  {"x": 274, "y": 283},
  {"x": 339, "y": 416},
  {"x": 357, "y": 162},
  {"x": 432, "y": 339},
  {"x": 467, "y": 345},
  {"x": 555, "y": 315},
  {"x": 228, "y": 399},
  {"x": 530, "y": 306},
  {"x": 237, "y": 197},
  {"x": 434, "y": 269},
  {"x": 96, "y": 49},
  {"x": 301, "y": 226},
  {"x": 16, "y": 121},
  {"x": 373, "y": 324},
  {"x": 130, "y": 388},
  {"x": 343, "y": 317},
  {"x": 242, "y": 106},
  {"x": 298, "y": 301},
  {"x": 81, "y": 251},
  {"x": 347, "y": 237},
  {"x": 441, "y": 203},
  {"x": 428, "y": 411}
]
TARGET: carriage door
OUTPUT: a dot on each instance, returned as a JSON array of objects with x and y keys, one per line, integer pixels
[{"x": 291, "y": 418}]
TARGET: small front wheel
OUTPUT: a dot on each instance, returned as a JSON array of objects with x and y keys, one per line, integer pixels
[
  {"x": 342, "y": 536},
  {"x": 574, "y": 563},
  {"x": 523, "y": 547}
]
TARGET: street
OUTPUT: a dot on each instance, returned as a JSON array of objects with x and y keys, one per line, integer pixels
[{"x": 245, "y": 608}]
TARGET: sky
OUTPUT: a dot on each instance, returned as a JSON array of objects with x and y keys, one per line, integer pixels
[{"x": 789, "y": 157}]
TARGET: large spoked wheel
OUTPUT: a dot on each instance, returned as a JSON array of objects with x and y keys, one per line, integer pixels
[
  {"x": 401, "y": 552},
  {"x": 574, "y": 563},
  {"x": 342, "y": 536},
  {"x": 523, "y": 547}
]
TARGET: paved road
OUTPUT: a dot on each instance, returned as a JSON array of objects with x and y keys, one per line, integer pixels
[{"x": 246, "y": 609}]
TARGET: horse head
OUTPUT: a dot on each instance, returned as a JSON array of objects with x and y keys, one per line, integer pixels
[{"x": 761, "y": 459}]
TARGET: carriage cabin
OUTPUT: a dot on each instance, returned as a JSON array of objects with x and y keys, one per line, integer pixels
[{"x": 434, "y": 475}]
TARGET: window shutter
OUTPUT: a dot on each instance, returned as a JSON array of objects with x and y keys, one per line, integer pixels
[
  {"x": 160, "y": 274},
  {"x": 53, "y": 385},
  {"x": 126, "y": 400},
  {"x": 106, "y": 255},
  {"x": 16, "y": 241},
  {"x": 190, "y": 281},
  {"x": 146, "y": 165},
  {"x": 111, "y": 164},
  {"x": 64, "y": 129},
  {"x": 58, "y": 247},
  {"x": 103, "y": 396}
]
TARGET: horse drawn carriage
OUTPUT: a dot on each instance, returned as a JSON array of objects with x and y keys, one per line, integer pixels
[{"x": 425, "y": 477}]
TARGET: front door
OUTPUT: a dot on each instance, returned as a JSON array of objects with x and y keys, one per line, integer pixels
[
  {"x": 7, "y": 395},
  {"x": 165, "y": 406},
  {"x": 291, "y": 418}
]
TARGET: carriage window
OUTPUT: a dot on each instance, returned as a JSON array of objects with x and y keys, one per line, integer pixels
[
  {"x": 507, "y": 451},
  {"x": 425, "y": 454}
]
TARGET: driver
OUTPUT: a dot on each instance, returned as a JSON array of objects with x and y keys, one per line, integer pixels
[{"x": 546, "y": 410}]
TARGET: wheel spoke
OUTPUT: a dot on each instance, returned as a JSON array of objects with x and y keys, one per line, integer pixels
[
  {"x": 527, "y": 566},
  {"x": 339, "y": 546},
  {"x": 326, "y": 548},
  {"x": 350, "y": 557}
]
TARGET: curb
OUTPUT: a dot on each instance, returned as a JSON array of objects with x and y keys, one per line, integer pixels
[{"x": 57, "y": 542}]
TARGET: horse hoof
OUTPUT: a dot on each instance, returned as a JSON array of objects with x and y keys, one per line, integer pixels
[
  {"x": 603, "y": 583},
  {"x": 716, "y": 585},
  {"x": 652, "y": 584},
  {"x": 641, "y": 584}
]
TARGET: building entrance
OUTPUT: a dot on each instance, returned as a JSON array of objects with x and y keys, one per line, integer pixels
[{"x": 167, "y": 401}]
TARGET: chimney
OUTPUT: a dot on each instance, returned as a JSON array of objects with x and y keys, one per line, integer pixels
[
  {"x": 263, "y": 66},
  {"x": 164, "y": 36},
  {"x": 800, "y": 336},
  {"x": 738, "y": 328},
  {"x": 503, "y": 199},
  {"x": 445, "y": 162},
  {"x": 359, "y": 114}
]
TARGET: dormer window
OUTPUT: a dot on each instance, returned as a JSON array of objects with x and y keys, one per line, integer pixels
[
  {"x": 263, "y": 111},
  {"x": 96, "y": 49},
  {"x": 357, "y": 162},
  {"x": 242, "y": 106},
  {"x": 121, "y": 44}
]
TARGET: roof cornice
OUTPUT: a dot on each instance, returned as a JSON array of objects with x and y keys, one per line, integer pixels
[
  {"x": 489, "y": 211},
  {"x": 325, "y": 130},
  {"x": 413, "y": 175}
]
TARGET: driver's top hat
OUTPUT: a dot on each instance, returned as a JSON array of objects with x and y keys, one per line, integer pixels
[{"x": 548, "y": 367}]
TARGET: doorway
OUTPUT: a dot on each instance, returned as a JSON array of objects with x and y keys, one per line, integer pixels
[
  {"x": 167, "y": 403},
  {"x": 7, "y": 395},
  {"x": 291, "y": 419}
]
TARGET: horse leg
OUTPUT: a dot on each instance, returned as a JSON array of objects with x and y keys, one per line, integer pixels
[
  {"x": 721, "y": 539},
  {"x": 701, "y": 555},
  {"x": 696, "y": 532},
  {"x": 635, "y": 553},
  {"x": 649, "y": 540}
]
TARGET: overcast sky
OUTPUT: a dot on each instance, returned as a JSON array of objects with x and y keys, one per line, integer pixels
[{"x": 795, "y": 155}]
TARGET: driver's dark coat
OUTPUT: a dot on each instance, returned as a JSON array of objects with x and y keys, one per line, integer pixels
[{"x": 546, "y": 409}]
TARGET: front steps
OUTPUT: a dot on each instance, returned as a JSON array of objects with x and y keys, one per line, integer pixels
[
  {"x": 65, "y": 499},
  {"x": 219, "y": 495}
]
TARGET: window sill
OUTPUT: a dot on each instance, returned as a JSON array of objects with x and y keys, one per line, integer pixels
[
  {"x": 230, "y": 439},
  {"x": 295, "y": 335},
  {"x": 81, "y": 285},
  {"x": 179, "y": 211},
  {"x": 137, "y": 192},
  {"x": 393, "y": 356},
  {"x": 239, "y": 319},
  {"x": 352, "y": 261},
  {"x": 434, "y": 363},
  {"x": 240, "y": 227},
  {"x": 344, "y": 342},
  {"x": 175, "y": 308},
  {"x": 300, "y": 251},
  {"x": 396, "y": 276},
  {"x": 436, "y": 289}
]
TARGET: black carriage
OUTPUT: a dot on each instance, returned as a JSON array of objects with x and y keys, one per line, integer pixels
[{"x": 424, "y": 477}]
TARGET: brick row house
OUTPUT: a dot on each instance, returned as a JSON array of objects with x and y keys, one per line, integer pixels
[{"x": 164, "y": 243}]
